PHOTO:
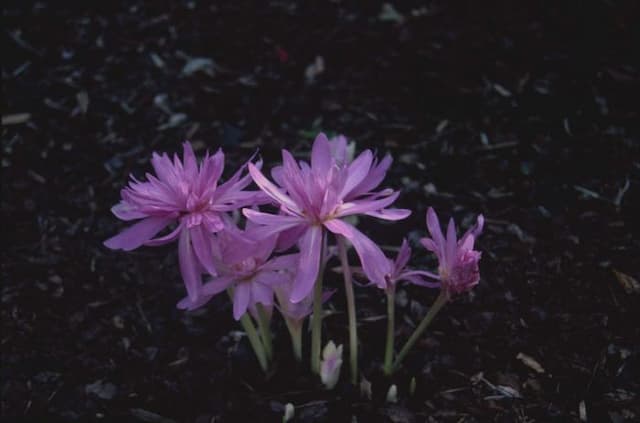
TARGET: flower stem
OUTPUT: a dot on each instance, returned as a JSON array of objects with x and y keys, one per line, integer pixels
[
  {"x": 433, "y": 311},
  {"x": 265, "y": 331},
  {"x": 316, "y": 328},
  {"x": 391, "y": 310},
  {"x": 254, "y": 339},
  {"x": 351, "y": 309},
  {"x": 295, "y": 330}
]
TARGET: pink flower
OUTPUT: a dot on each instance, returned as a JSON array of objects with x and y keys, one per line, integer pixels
[
  {"x": 243, "y": 264},
  {"x": 458, "y": 261},
  {"x": 397, "y": 271},
  {"x": 314, "y": 197},
  {"x": 187, "y": 194}
]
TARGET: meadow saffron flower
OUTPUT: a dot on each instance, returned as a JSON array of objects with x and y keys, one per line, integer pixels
[
  {"x": 318, "y": 195},
  {"x": 244, "y": 265},
  {"x": 397, "y": 271},
  {"x": 191, "y": 196},
  {"x": 457, "y": 260}
]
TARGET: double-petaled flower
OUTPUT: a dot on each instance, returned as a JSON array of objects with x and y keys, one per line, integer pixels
[
  {"x": 245, "y": 266},
  {"x": 457, "y": 260},
  {"x": 317, "y": 196},
  {"x": 183, "y": 193}
]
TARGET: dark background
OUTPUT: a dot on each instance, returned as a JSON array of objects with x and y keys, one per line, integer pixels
[{"x": 524, "y": 111}]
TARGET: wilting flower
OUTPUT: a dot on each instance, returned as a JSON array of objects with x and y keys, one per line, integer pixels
[
  {"x": 317, "y": 196},
  {"x": 397, "y": 271},
  {"x": 243, "y": 264},
  {"x": 457, "y": 260},
  {"x": 330, "y": 365},
  {"x": 187, "y": 194}
]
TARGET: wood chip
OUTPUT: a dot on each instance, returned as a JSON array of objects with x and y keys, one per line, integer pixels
[
  {"x": 629, "y": 284},
  {"x": 16, "y": 118},
  {"x": 530, "y": 362}
]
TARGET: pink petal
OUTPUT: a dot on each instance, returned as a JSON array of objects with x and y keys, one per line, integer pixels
[
  {"x": 289, "y": 237},
  {"x": 374, "y": 178},
  {"x": 271, "y": 190},
  {"x": 241, "y": 298},
  {"x": 189, "y": 266},
  {"x": 434, "y": 229},
  {"x": 430, "y": 245},
  {"x": 321, "y": 160},
  {"x": 309, "y": 263},
  {"x": 261, "y": 294},
  {"x": 126, "y": 211},
  {"x": 451, "y": 243},
  {"x": 216, "y": 285},
  {"x": 357, "y": 171},
  {"x": 201, "y": 241},
  {"x": 374, "y": 262},
  {"x": 390, "y": 214},
  {"x": 365, "y": 206},
  {"x": 403, "y": 256},
  {"x": 190, "y": 164},
  {"x": 272, "y": 219},
  {"x": 285, "y": 262},
  {"x": 421, "y": 278},
  {"x": 473, "y": 231},
  {"x": 136, "y": 235},
  {"x": 170, "y": 237},
  {"x": 187, "y": 304}
]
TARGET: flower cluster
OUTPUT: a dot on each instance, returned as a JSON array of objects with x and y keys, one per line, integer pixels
[{"x": 277, "y": 255}]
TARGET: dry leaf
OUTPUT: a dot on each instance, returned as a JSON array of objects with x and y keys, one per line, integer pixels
[
  {"x": 629, "y": 284},
  {"x": 530, "y": 362},
  {"x": 15, "y": 118}
]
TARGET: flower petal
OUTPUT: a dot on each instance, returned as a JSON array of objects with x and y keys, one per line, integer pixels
[
  {"x": 126, "y": 211},
  {"x": 374, "y": 263},
  {"x": 241, "y": 298},
  {"x": 434, "y": 229},
  {"x": 308, "y": 264},
  {"x": 365, "y": 205},
  {"x": 189, "y": 266},
  {"x": 136, "y": 235},
  {"x": 390, "y": 214},
  {"x": 201, "y": 241},
  {"x": 321, "y": 160},
  {"x": 357, "y": 171},
  {"x": 403, "y": 256},
  {"x": 271, "y": 190},
  {"x": 217, "y": 285},
  {"x": 261, "y": 294},
  {"x": 170, "y": 237}
]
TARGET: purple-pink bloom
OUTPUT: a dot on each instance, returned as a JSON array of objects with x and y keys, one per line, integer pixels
[
  {"x": 316, "y": 196},
  {"x": 243, "y": 263},
  {"x": 457, "y": 260},
  {"x": 187, "y": 194},
  {"x": 397, "y": 271}
]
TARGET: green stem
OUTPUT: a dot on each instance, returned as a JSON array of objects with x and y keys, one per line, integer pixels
[
  {"x": 388, "y": 351},
  {"x": 433, "y": 311},
  {"x": 295, "y": 330},
  {"x": 254, "y": 339},
  {"x": 351, "y": 309},
  {"x": 316, "y": 328},
  {"x": 265, "y": 331}
]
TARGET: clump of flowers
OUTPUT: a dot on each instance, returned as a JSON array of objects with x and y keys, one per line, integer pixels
[{"x": 275, "y": 258}]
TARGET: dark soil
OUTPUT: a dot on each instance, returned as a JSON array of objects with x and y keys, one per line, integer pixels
[{"x": 527, "y": 114}]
